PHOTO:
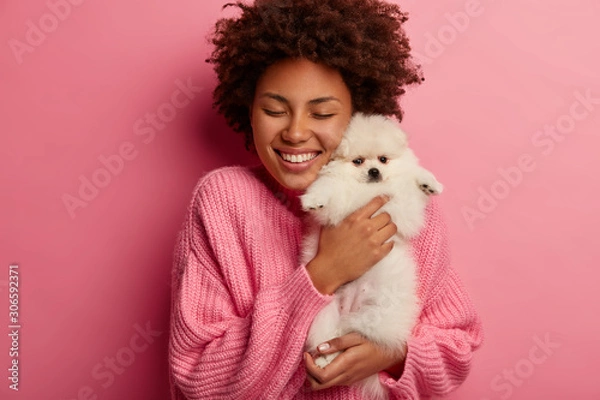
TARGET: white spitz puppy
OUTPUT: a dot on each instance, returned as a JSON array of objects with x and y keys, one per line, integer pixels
[{"x": 372, "y": 159}]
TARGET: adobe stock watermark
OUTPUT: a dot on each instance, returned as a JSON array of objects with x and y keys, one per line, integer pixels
[
  {"x": 14, "y": 327},
  {"x": 106, "y": 372},
  {"x": 504, "y": 384},
  {"x": 37, "y": 32},
  {"x": 544, "y": 140},
  {"x": 145, "y": 129},
  {"x": 446, "y": 35}
]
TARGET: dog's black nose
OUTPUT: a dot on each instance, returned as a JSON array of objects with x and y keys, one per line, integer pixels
[{"x": 374, "y": 173}]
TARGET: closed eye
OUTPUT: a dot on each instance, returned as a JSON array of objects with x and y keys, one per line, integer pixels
[
  {"x": 273, "y": 113},
  {"x": 323, "y": 116}
]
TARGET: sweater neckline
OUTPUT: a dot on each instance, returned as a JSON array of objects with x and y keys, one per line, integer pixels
[{"x": 288, "y": 197}]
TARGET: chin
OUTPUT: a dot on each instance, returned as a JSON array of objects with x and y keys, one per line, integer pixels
[
  {"x": 372, "y": 159},
  {"x": 295, "y": 182}
]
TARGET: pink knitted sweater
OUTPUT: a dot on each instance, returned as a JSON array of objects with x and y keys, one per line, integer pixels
[{"x": 242, "y": 305}]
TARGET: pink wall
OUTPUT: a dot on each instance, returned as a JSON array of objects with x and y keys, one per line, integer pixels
[{"x": 502, "y": 119}]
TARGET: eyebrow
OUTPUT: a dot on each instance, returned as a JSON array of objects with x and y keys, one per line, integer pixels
[{"x": 318, "y": 100}]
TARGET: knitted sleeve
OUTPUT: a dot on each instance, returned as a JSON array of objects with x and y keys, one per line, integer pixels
[
  {"x": 218, "y": 349},
  {"x": 449, "y": 328}
]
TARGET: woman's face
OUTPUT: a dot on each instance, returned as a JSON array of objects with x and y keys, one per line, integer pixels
[{"x": 299, "y": 114}]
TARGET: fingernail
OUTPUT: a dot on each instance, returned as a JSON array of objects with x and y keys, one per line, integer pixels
[{"x": 323, "y": 347}]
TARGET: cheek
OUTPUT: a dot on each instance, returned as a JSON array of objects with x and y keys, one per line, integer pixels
[
  {"x": 331, "y": 138},
  {"x": 261, "y": 131}
]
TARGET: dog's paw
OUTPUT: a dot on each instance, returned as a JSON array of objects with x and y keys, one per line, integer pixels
[
  {"x": 326, "y": 359},
  {"x": 310, "y": 202},
  {"x": 429, "y": 185},
  {"x": 429, "y": 189}
]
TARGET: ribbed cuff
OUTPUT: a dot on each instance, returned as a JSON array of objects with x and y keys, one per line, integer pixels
[{"x": 300, "y": 297}]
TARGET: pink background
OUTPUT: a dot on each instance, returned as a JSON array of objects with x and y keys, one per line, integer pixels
[{"x": 497, "y": 74}]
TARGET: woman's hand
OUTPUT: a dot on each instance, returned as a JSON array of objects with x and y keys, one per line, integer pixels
[
  {"x": 359, "y": 359},
  {"x": 351, "y": 248}
]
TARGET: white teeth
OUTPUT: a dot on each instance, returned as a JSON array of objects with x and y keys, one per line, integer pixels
[{"x": 299, "y": 158}]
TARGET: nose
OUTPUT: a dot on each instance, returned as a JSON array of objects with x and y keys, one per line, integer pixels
[
  {"x": 374, "y": 173},
  {"x": 297, "y": 131}
]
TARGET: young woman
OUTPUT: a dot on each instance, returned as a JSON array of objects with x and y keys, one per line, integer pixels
[{"x": 291, "y": 74}]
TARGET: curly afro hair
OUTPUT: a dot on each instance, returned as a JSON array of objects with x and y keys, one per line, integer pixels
[{"x": 362, "y": 39}]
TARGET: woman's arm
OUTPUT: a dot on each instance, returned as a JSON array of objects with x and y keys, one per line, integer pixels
[
  {"x": 216, "y": 354},
  {"x": 449, "y": 329},
  {"x": 219, "y": 348}
]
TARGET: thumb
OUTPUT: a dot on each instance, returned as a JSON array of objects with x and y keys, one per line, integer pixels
[{"x": 340, "y": 343}]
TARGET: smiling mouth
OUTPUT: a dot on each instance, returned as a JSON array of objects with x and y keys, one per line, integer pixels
[{"x": 297, "y": 158}]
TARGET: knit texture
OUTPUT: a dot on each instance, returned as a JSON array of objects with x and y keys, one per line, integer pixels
[{"x": 242, "y": 305}]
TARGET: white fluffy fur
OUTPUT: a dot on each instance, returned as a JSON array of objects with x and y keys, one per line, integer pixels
[{"x": 382, "y": 304}]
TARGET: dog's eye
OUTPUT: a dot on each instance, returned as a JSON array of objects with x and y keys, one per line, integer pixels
[
  {"x": 383, "y": 159},
  {"x": 358, "y": 161}
]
